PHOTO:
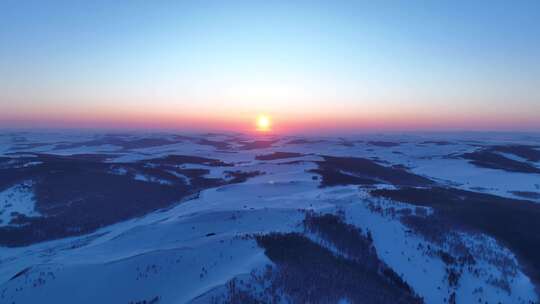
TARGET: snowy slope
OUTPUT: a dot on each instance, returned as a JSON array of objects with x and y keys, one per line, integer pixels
[{"x": 195, "y": 247}]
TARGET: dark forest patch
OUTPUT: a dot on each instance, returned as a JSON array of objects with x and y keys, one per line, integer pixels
[
  {"x": 145, "y": 143},
  {"x": 492, "y": 160},
  {"x": 303, "y": 142},
  {"x": 310, "y": 273},
  {"x": 257, "y": 144},
  {"x": 436, "y": 142},
  {"x": 220, "y": 145},
  {"x": 79, "y": 194},
  {"x": 530, "y": 153},
  {"x": 175, "y": 160},
  {"x": 29, "y": 146},
  {"x": 511, "y": 221},
  {"x": 386, "y": 144},
  {"x": 236, "y": 177},
  {"x": 361, "y": 171},
  {"x": 305, "y": 270},
  {"x": 278, "y": 155},
  {"x": 347, "y": 238},
  {"x": 527, "y": 194},
  {"x": 124, "y": 143}
]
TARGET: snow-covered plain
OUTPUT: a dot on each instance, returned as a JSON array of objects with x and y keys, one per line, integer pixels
[{"x": 190, "y": 250}]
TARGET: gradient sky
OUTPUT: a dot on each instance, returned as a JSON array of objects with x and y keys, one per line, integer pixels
[{"x": 310, "y": 65}]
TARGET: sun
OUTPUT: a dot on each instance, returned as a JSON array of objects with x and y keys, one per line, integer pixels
[{"x": 263, "y": 123}]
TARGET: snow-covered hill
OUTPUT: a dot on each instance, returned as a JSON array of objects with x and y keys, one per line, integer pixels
[{"x": 168, "y": 218}]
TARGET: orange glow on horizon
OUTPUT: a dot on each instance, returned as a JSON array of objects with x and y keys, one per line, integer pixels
[{"x": 317, "y": 121}]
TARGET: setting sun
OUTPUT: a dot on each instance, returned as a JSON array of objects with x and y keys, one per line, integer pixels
[{"x": 263, "y": 123}]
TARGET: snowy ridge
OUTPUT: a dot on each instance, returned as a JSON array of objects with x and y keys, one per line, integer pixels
[{"x": 190, "y": 251}]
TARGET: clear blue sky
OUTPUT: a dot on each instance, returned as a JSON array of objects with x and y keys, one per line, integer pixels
[{"x": 217, "y": 64}]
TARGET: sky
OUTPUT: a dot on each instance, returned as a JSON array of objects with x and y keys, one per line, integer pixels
[{"x": 310, "y": 66}]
